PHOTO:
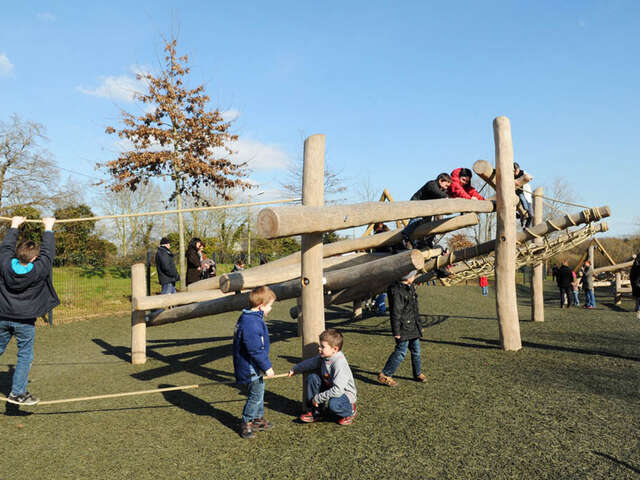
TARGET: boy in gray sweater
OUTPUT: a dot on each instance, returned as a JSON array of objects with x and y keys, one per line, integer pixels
[{"x": 330, "y": 382}]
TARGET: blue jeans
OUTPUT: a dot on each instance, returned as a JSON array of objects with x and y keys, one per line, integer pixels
[
  {"x": 576, "y": 298},
  {"x": 485, "y": 291},
  {"x": 590, "y": 300},
  {"x": 527, "y": 206},
  {"x": 25, "y": 335},
  {"x": 381, "y": 303},
  {"x": 341, "y": 406},
  {"x": 254, "y": 408},
  {"x": 637, "y": 304},
  {"x": 397, "y": 356}
]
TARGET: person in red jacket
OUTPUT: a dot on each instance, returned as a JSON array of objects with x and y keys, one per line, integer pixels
[
  {"x": 461, "y": 185},
  {"x": 484, "y": 285}
]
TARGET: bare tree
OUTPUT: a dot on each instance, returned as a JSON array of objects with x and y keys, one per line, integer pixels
[
  {"x": 28, "y": 175},
  {"x": 334, "y": 183}
]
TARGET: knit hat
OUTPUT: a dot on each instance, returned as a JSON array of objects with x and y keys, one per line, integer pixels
[{"x": 164, "y": 241}]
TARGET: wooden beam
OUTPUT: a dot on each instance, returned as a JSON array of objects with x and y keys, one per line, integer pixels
[
  {"x": 286, "y": 221},
  {"x": 537, "y": 283},
  {"x": 138, "y": 324},
  {"x": 506, "y": 301}
]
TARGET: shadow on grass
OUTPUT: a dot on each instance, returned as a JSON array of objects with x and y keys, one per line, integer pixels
[
  {"x": 6, "y": 380},
  {"x": 197, "y": 406},
  {"x": 496, "y": 344},
  {"x": 613, "y": 307},
  {"x": 619, "y": 462}
]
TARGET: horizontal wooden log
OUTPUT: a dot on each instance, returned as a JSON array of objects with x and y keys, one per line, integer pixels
[
  {"x": 255, "y": 277},
  {"x": 170, "y": 300},
  {"x": 487, "y": 173},
  {"x": 211, "y": 283},
  {"x": 391, "y": 268},
  {"x": 613, "y": 268},
  {"x": 287, "y": 221}
]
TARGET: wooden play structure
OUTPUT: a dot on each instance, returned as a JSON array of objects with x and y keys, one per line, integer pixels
[{"x": 342, "y": 272}]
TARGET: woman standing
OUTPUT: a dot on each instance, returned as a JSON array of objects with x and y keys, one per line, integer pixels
[{"x": 194, "y": 260}]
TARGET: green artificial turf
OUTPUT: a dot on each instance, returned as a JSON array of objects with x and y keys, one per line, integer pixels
[{"x": 566, "y": 406}]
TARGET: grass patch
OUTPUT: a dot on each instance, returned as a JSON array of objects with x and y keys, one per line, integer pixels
[{"x": 566, "y": 406}]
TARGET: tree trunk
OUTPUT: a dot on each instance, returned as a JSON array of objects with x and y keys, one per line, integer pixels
[{"x": 537, "y": 283}]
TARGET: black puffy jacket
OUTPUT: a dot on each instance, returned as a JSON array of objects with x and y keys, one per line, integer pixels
[
  {"x": 634, "y": 277},
  {"x": 403, "y": 309}
]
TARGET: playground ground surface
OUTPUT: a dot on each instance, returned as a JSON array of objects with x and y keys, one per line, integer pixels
[{"x": 566, "y": 406}]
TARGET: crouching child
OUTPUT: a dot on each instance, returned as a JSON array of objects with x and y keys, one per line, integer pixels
[
  {"x": 251, "y": 359},
  {"x": 330, "y": 385}
]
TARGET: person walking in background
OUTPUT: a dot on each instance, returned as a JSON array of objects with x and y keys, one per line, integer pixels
[
  {"x": 634, "y": 278},
  {"x": 166, "y": 267},
  {"x": 26, "y": 293},
  {"x": 194, "y": 260},
  {"x": 484, "y": 285},
  {"x": 587, "y": 285},
  {"x": 564, "y": 279}
]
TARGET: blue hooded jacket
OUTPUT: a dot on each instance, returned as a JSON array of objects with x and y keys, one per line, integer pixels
[{"x": 250, "y": 346}]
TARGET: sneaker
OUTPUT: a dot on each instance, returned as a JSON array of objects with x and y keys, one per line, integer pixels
[
  {"x": 261, "y": 425},
  {"x": 386, "y": 380},
  {"x": 421, "y": 378},
  {"x": 23, "y": 399},
  {"x": 349, "y": 420},
  {"x": 309, "y": 417},
  {"x": 246, "y": 431}
]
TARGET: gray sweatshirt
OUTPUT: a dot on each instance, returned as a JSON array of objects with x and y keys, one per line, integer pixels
[
  {"x": 587, "y": 278},
  {"x": 335, "y": 372}
]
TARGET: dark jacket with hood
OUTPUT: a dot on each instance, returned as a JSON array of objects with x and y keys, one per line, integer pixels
[
  {"x": 166, "y": 266},
  {"x": 564, "y": 277},
  {"x": 26, "y": 296},
  {"x": 403, "y": 310}
]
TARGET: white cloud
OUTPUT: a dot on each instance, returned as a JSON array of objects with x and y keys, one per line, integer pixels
[
  {"x": 259, "y": 156},
  {"x": 6, "y": 67},
  {"x": 122, "y": 87},
  {"x": 230, "y": 115},
  {"x": 47, "y": 17}
]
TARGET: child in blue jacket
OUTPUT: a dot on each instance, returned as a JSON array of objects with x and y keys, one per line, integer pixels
[{"x": 251, "y": 359}]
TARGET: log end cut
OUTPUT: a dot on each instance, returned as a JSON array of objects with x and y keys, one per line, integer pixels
[{"x": 267, "y": 222}]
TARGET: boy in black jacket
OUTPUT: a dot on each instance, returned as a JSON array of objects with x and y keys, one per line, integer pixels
[
  {"x": 26, "y": 293},
  {"x": 406, "y": 327}
]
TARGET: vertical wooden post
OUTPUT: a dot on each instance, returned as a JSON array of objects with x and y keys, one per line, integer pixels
[
  {"x": 618, "y": 295},
  {"x": 138, "y": 324},
  {"x": 311, "y": 248},
  {"x": 506, "y": 300},
  {"x": 537, "y": 283},
  {"x": 590, "y": 255}
]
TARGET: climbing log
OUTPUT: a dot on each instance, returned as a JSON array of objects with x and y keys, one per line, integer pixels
[
  {"x": 254, "y": 277},
  {"x": 287, "y": 221},
  {"x": 552, "y": 225},
  {"x": 613, "y": 268},
  {"x": 506, "y": 301},
  {"x": 537, "y": 283},
  {"x": 384, "y": 270},
  {"x": 171, "y": 300}
]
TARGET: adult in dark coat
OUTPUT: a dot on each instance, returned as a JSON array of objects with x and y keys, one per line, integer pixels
[
  {"x": 634, "y": 278},
  {"x": 432, "y": 190},
  {"x": 565, "y": 279},
  {"x": 26, "y": 293},
  {"x": 406, "y": 327},
  {"x": 193, "y": 260},
  {"x": 166, "y": 267}
]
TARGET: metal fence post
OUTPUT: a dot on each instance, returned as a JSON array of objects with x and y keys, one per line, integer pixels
[{"x": 148, "y": 272}]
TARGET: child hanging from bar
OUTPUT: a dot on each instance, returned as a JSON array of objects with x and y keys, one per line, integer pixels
[
  {"x": 331, "y": 388},
  {"x": 251, "y": 359}
]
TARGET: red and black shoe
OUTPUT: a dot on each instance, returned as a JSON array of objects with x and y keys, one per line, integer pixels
[
  {"x": 309, "y": 417},
  {"x": 349, "y": 420},
  {"x": 261, "y": 425}
]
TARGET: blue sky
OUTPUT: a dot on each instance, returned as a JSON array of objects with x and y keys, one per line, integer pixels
[{"x": 402, "y": 90}]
